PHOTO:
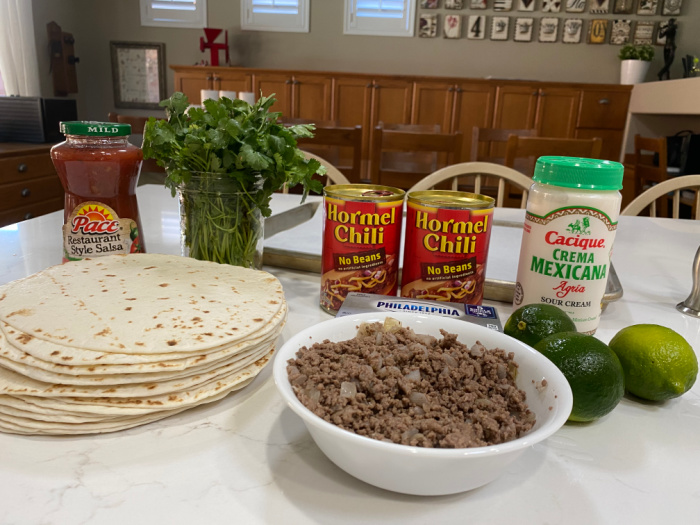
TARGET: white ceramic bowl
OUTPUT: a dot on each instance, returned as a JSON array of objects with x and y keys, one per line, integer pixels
[{"x": 426, "y": 471}]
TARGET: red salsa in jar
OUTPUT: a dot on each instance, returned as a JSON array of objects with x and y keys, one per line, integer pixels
[{"x": 99, "y": 170}]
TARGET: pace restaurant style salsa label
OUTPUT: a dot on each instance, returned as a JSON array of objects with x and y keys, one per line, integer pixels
[
  {"x": 94, "y": 229},
  {"x": 446, "y": 250},
  {"x": 568, "y": 261},
  {"x": 361, "y": 242}
]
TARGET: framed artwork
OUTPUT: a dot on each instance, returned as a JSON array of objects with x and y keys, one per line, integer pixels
[
  {"x": 572, "y": 31},
  {"x": 502, "y": 5},
  {"x": 499, "y": 27},
  {"x": 452, "y": 27},
  {"x": 477, "y": 27},
  {"x": 623, "y": 7},
  {"x": 138, "y": 74},
  {"x": 429, "y": 4},
  {"x": 644, "y": 33},
  {"x": 549, "y": 29},
  {"x": 620, "y": 32},
  {"x": 647, "y": 7},
  {"x": 598, "y": 31},
  {"x": 478, "y": 4},
  {"x": 575, "y": 6},
  {"x": 523, "y": 29},
  {"x": 551, "y": 6},
  {"x": 672, "y": 7},
  {"x": 454, "y": 4},
  {"x": 599, "y": 7},
  {"x": 427, "y": 25},
  {"x": 526, "y": 5}
]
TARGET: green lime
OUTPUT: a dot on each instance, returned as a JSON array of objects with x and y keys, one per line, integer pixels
[
  {"x": 658, "y": 363},
  {"x": 533, "y": 322},
  {"x": 592, "y": 369}
]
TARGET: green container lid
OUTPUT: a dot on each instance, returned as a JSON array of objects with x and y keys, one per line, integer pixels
[
  {"x": 575, "y": 172},
  {"x": 95, "y": 129}
]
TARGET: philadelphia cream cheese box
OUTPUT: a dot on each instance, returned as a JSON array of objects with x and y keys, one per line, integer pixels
[{"x": 357, "y": 303}]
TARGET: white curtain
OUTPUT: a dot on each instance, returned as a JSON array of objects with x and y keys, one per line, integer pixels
[{"x": 18, "y": 60}]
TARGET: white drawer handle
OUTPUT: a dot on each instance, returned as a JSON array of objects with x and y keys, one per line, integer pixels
[{"x": 604, "y": 101}]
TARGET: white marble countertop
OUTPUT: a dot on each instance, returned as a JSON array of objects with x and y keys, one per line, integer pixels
[{"x": 248, "y": 459}]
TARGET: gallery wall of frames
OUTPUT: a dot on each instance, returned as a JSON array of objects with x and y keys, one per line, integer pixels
[{"x": 597, "y": 22}]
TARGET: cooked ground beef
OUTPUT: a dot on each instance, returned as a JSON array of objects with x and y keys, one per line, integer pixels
[{"x": 391, "y": 384}]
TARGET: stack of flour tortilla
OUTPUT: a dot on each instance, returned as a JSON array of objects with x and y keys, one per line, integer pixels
[{"x": 106, "y": 344}]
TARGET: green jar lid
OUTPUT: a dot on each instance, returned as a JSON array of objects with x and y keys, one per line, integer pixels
[
  {"x": 95, "y": 129},
  {"x": 575, "y": 172}
]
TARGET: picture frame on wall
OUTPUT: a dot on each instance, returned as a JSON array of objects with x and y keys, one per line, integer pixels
[
  {"x": 623, "y": 7},
  {"x": 478, "y": 4},
  {"x": 573, "y": 28},
  {"x": 647, "y": 7},
  {"x": 526, "y": 5},
  {"x": 672, "y": 7},
  {"x": 476, "y": 27},
  {"x": 644, "y": 33},
  {"x": 454, "y": 4},
  {"x": 500, "y": 26},
  {"x": 427, "y": 25},
  {"x": 502, "y": 5},
  {"x": 138, "y": 74},
  {"x": 575, "y": 6},
  {"x": 598, "y": 31},
  {"x": 429, "y": 4},
  {"x": 551, "y": 6},
  {"x": 620, "y": 32},
  {"x": 452, "y": 26},
  {"x": 549, "y": 29},
  {"x": 599, "y": 7},
  {"x": 523, "y": 29}
]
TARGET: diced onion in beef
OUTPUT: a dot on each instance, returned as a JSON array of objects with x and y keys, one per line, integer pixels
[
  {"x": 450, "y": 361},
  {"x": 418, "y": 398},
  {"x": 408, "y": 434},
  {"x": 413, "y": 375},
  {"x": 348, "y": 389}
]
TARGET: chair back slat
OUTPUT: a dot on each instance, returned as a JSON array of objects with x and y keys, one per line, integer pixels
[{"x": 675, "y": 186}]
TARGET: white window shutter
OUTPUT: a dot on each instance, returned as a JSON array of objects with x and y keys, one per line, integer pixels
[
  {"x": 174, "y": 13},
  {"x": 275, "y": 15},
  {"x": 380, "y": 17}
]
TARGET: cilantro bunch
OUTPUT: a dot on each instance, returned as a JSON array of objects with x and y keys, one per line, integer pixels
[
  {"x": 234, "y": 139},
  {"x": 227, "y": 160}
]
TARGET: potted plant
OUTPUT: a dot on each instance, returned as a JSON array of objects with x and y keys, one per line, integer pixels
[
  {"x": 225, "y": 160},
  {"x": 635, "y": 63}
]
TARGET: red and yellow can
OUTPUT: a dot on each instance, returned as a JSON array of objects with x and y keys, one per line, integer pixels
[
  {"x": 361, "y": 241},
  {"x": 446, "y": 246}
]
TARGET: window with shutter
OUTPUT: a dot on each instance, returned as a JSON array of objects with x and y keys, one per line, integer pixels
[
  {"x": 174, "y": 13},
  {"x": 379, "y": 17},
  {"x": 275, "y": 15}
]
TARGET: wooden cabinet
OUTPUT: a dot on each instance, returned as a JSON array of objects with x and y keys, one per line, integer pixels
[
  {"x": 367, "y": 101},
  {"x": 298, "y": 95},
  {"x": 190, "y": 80},
  {"x": 29, "y": 184},
  {"x": 555, "y": 109}
]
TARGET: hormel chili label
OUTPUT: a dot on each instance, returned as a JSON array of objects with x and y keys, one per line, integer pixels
[
  {"x": 94, "y": 229},
  {"x": 446, "y": 246},
  {"x": 361, "y": 242}
]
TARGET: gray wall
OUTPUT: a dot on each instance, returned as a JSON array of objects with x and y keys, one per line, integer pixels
[{"x": 94, "y": 23}]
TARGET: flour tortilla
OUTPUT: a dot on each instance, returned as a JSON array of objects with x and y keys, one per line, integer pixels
[
  {"x": 142, "y": 304},
  {"x": 27, "y": 365},
  {"x": 13, "y": 383},
  {"x": 70, "y": 359}
]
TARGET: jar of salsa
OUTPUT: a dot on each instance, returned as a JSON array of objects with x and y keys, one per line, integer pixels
[{"x": 99, "y": 169}]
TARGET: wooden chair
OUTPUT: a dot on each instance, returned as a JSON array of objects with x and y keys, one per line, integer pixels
[
  {"x": 675, "y": 185},
  {"x": 488, "y": 144},
  {"x": 151, "y": 173},
  {"x": 477, "y": 170},
  {"x": 333, "y": 175},
  {"x": 646, "y": 172},
  {"x": 340, "y": 145},
  {"x": 535, "y": 147},
  {"x": 404, "y": 172}
]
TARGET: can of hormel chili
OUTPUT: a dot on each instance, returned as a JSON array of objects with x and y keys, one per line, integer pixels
[
  {"x": 446, "y": 246},
  {"x": 361, "y": 241}
]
